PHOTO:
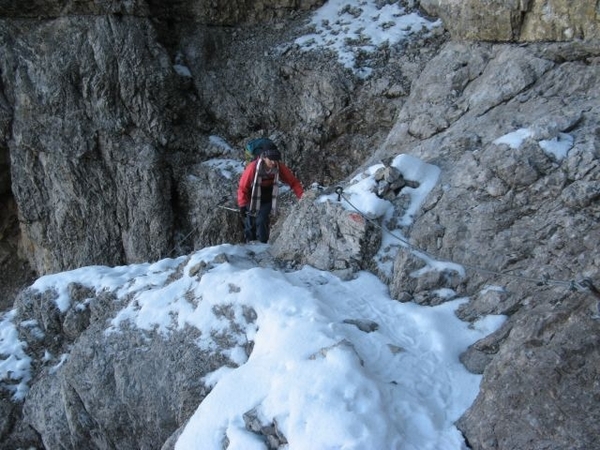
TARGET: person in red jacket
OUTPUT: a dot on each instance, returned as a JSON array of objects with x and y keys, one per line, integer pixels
[{"x": 257, "y": 192}]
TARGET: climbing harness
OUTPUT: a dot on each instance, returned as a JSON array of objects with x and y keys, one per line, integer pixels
[{"x": 583, "y": 285}]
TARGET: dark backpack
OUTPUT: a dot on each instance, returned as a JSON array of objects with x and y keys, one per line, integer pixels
[{"x": 256, "y": 146}]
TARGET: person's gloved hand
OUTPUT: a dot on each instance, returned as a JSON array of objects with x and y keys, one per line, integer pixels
[{"x": 243, "y": 212}]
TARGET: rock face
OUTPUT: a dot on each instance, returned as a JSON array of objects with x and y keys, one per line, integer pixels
[
  {"x": 108, "y": 118},
  {"x": 328, "y": 237},
  {"x": 514, "y": 215},
  {"x": 107, "y": 382},
  {"x": 103, "y": 115},
  {"x": 519, "y": 195},
  {"x": 546, "y": 375},
  {"x": 523, "y": 221},
  {"x": 88, "y": 168},
  {"x": 518, "y": 20}
]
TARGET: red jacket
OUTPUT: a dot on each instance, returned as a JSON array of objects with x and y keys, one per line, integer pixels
[{"x": 244, "y": 192}]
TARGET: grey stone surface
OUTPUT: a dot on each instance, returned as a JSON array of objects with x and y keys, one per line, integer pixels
[
  {"x": 101, "y": 149},
  {"x": 127, "y": 388},
  {"x": 518, "y": 20},
  {"x": 105, "y": 117}
]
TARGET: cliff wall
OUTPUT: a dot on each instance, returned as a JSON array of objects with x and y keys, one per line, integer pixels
[{"x": 109, "y": 112}]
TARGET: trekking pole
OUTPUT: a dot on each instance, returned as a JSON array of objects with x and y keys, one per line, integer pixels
[
  {"x": 221, "y": 204},
  {"x": 228, "y": 208}
]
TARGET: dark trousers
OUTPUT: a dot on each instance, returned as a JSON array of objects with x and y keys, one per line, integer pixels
[{"x": 257, "y": 227}]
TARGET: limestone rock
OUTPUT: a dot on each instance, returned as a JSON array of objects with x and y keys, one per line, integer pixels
[
  {"x": 519, "y": 216},
  {"x": 92, "y": 384},
  {"x": 103, "y": 115},
  {"x": 540, "y": 389},
  {"x": 203, "y": 191},
  {"x": 517, "y": 20},
  {"x": 327, "y": 236},
  {"x": 107, "y": 110},
  {"x": 88, "y": 175}
]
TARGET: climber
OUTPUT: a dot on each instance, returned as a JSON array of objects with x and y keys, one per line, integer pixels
[{"x": 257, "y": 192}]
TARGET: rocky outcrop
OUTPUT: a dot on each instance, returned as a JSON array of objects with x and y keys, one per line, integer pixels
[
  {"x": 512, "y": 190},
  {"x": 107, "y": 382},
  {"x": 518, "y": 20},
  {"x": 528, "y": 214},
  {"x": 519, "y": 214},
  {"x": 541, "y": 388},
  {"x": 327, "y": 236},
  {"x": 105, "y": 117}
]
